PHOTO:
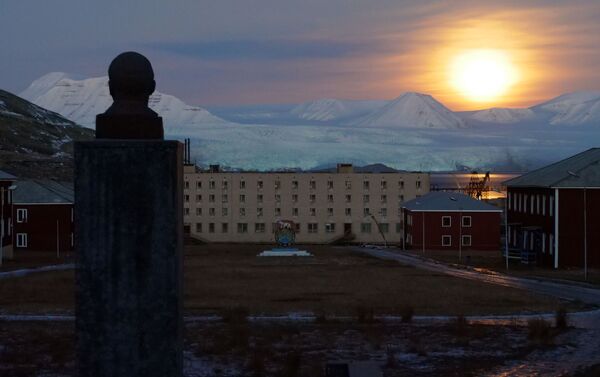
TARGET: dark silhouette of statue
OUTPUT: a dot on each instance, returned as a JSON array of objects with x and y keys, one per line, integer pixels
[{"x": 131, "y": 82}]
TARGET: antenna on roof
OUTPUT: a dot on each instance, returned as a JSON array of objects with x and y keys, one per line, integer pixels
[{"x": 572, "y": 174}]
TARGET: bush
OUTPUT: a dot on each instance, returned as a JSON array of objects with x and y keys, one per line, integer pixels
[{"x": 560, "y": 319}]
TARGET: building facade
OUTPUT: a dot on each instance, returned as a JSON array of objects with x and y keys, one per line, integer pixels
[
  {"x": 341, "y": 205},
  {"x": 6, "y": 189},
  {"x": 451, "y": 221},
  {"x": 43, "y": 216},
  {"x": 553, "y": 213}
]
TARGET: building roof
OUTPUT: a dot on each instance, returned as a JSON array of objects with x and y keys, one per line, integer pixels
[
  {"x": 43, "y": 192},
  {"x": 581, "y": 170},
  {"x": 4, "y": 176},
  {"x": 442, "y": 201}
]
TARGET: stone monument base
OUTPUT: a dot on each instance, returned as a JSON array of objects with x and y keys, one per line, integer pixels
[{"x": 285, "y": 252}]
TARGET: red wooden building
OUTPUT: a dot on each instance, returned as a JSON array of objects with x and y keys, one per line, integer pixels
[
  {"x": 6, "y": 188},
  {"x": 43, "y": 216},
  {"x": 553, "y": 213},
  {"x": 451, "y": 221}
]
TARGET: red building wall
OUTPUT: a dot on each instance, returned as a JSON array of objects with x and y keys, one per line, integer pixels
[
  {"x": 484, "y": 230},
  {"x": 41, "y": 227},
  {"x": 571, "y": 225},
  {"x": 6, "y": 211}
]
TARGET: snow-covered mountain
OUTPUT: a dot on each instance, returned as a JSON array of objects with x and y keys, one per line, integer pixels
[
  {"x": 413, "y": 110},
  {"x": 81, "y": 100},
  {"x": 329, "y": 109},
  {"x": 501, "y": 115},
  {"x": 572, "y": 109}
]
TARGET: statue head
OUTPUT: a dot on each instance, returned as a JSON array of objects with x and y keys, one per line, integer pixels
[{"x": 131, "y": 77}]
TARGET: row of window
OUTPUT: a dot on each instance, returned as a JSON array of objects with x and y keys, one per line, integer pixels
[
  {"x": 466, "y": 240},
  {"x": 312, "y": 198},
  {"x": 383, "y": 212},
  {"x": 532, "y": 241},
  {"x": 310, "y": 227},
  {"x": 447, "y": 221},
  {"x": 295, "y": 184},
  {"x": 534, "y": 204}
]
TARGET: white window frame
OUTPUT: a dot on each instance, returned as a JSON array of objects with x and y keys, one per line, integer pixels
[
  {"x": 468, "y": 237},
  {"x": 470, "y": 221},
  {"x": 22, "y": 215},
  {"x": 330, "y": 228},
  {"x": 313, "y": 227},
  {"x": 446, "y": 237},
  {"x": 21, "y": 240},
  {"x": 449, "y": 221}
]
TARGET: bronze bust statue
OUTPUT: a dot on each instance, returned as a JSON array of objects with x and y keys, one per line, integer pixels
[{"x": 131, "y": 82}]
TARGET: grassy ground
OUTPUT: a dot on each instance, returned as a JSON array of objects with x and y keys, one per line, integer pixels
[
  {"x": 33, "y": 259},
  {"x": 219, "y": 277},
  {"x": 493, "y": 260}
]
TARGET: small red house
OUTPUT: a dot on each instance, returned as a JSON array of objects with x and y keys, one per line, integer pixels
[
  {"x": 43, "y": 216},
  {"x": 6, "y": 188},
  {"x": 451, "y": 221},
  {"x": 553, "y": 213}
]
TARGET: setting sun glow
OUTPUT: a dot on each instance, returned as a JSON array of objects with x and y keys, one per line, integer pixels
[{"x": 482, "y": 75}]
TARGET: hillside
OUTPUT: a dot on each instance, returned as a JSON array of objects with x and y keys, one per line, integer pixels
[{"x": 34, "y": 142}]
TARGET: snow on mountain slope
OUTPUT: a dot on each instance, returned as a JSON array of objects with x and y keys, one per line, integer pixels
[
  {"x": 413, "y": 110},
  {"x": 327, "y": 109},
  {"x": 81, "y": 100},
  {"x": 502, "y": 115},
  {"x": 573, "y": 108}
]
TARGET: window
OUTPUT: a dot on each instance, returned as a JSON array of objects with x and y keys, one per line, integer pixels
[
  {"x": 313, "y": 211},
  {"x": 224, "y": 185},
  {"x": 259, "y": 211},
  {"x": 383, "y": 212},
  {"x": 525, "y": 204},
  {"x": 198, "y": 227},
  {"x": 466, "y": 240},
  {"x": 348, "y": 185},
  {"x": 398, "y": 227},
  {"x": 348, "y": 198},
  {"x": 224, "y": 227},
  {"x": 211, "y": 227},
  {"x": 312, "y": 184},
  {"x": 21, "y": 239},
  {"x": 259, "y": 184},
  {"x": 211, "y": 184},
  {"x": 312, "y": 198},
  {"x": 366, "y": 198},
  {"x": 242, "y": 185},
  {"x": 198, "y": 198},
  {"x": 537, "y": 199},
  {"x": 297, "y": 227},
  {"x": 186, "y": 186},
  {"x": 466, "y": 221},
  {"x": 259, "y": 198},
  {"x": 187, "y": 198},
  {"x": 409, "y": 220},
  {"x": 551, "y": 209},
  {"x": 22, "y": 216},
  {"x": 544, "y": 205},
  {"x": 446, "y": 240},
  {"x": 383, "y": 198},
  {"x": 295, "y": 185},
  {"x": 211, "y": 198},
  {"x": 277, "y": 198},
  {"x": 199, "y": 185},
  {"x": 277, "y": 185},
  {"x": 348, "y": 212},
  {"x": 277, "y": 211},
  {"x": 330, "y": 228},
  {"x": 366, "y": 212},
  {"x": 224, "y": 198},
  {"x": 365, "y": 227},
  {"x": 383, "y": 185},
  {"x": 295, "y": 198},
  {"x": 242, "y": 211},
  {"x": 330, "y": 185},
  {"x": 187, "y": 211},
  {"x": 418, "y": 184},
  {"x": 242, "y": 228},
  {"x": 329, "y": 212},
  {"x": 401, "y": 185},
  {"x": 224, "y": 211},
  {"x": 211, "y": 211},
  {"x": 384, "y": 227},
  {"x": 330, "y": 198},
  {"x": 242, "y": 198},
  {"x": 294, "y": 211},
  {"x": 313, "y": 227},
  {"x": 509, "y": 198},
  {"x": 446, "y": 221},
  {"x": 259, "y": 228},
  {"x": 365, "y": 185},
  {"x": 400, "y": 199},
  {"x": 532, "y": 204},
  {"x": 198, "y": 211}
]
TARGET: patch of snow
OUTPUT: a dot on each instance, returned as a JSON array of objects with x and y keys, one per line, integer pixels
[{"x": 502, "y": 115}]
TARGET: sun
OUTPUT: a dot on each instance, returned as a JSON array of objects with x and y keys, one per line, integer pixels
[{"x": 482, "y": 75}]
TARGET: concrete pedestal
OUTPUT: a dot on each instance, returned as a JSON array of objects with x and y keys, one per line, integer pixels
[{"x": 129, "y": 241}]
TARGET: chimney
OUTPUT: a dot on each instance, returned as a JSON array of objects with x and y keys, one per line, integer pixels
[{"x": 345, "y": 168}]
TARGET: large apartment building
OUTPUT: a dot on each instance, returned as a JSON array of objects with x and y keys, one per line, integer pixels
[{"x": 342, "y": 204}]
